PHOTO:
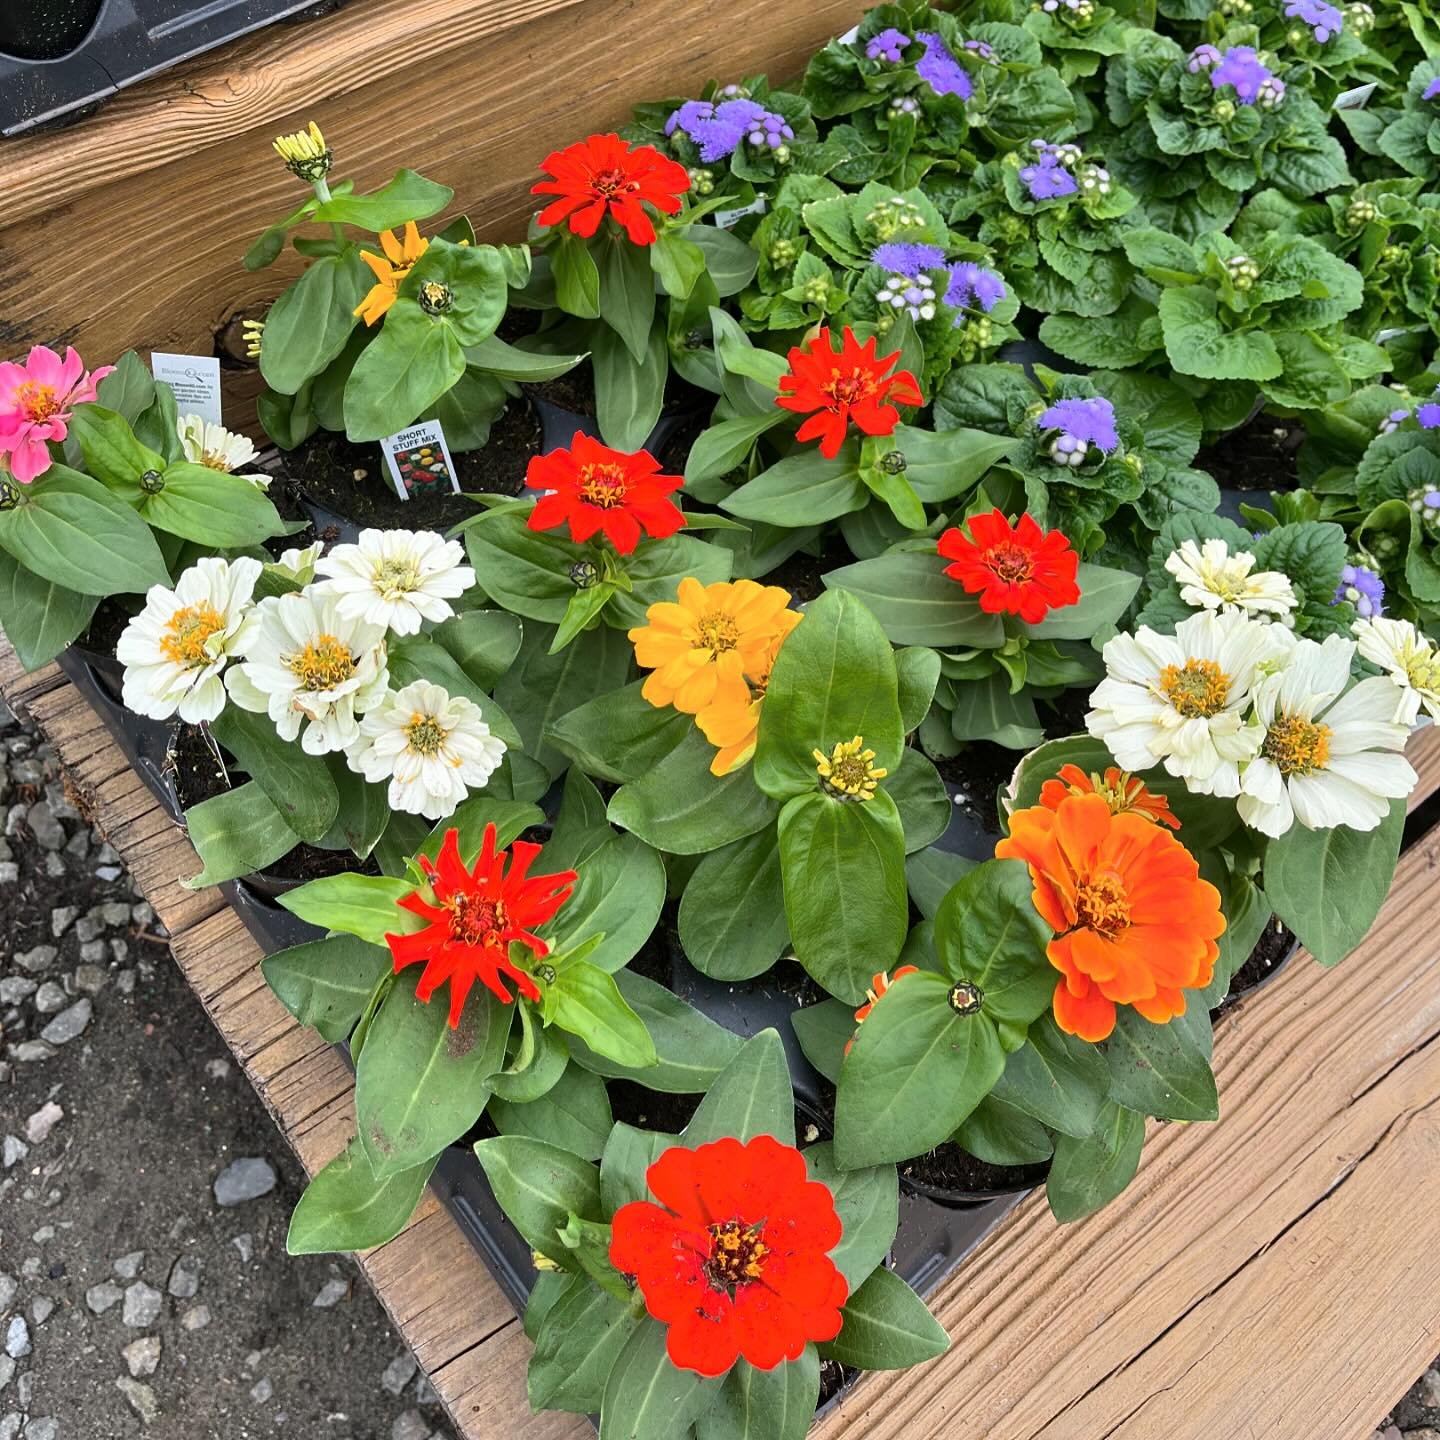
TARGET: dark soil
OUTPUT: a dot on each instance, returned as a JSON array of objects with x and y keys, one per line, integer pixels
[
  {"x": 199, "y": 773},
  {"x": 676, "y": 449},
  {"x": 1274, "y": 945},
  {"x": 354, "y": 481},
  {"x": 1262, "y": 455},
  {"x": 285, "y": 497},
  {"x": 951, "y": 1168},
  {"x": 670, "y": 1114},
  {"x": 109, "y": 621},
  {"x": 833, "y": 1376},
  {"x": 1065, "y": 714},
  {"x": 976, "y": 776},
  {"x": 575, "y": 391},
  {"x": 801, "y": 574}
]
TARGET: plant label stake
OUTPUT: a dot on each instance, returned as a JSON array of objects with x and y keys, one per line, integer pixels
[
  {"x": 419, "y": 459},
  {"x": 195, "y": 379}
]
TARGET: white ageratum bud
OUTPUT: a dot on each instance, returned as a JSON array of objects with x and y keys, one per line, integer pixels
[
  {"x": 1244, "y": 272},
  {"x": 914, "y": 295},
  {"x": 1095, "y": 180},
  {"x": 1270, "y": 94},
  {"x": 905, "y": 105},
  {"x": 1359, "y": 213},
  {"x": 1067, "y": 450}
]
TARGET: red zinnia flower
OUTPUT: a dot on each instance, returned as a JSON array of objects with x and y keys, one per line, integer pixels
[
  {"x": 1026, "y": 571},
  {"x": 737, "y": 1265},
  {"x": 596, "y": 488},
  {"x": 474, "y": 917},
  {"x": 850, "y": 386},
  {"x": 604, "y": 174}
]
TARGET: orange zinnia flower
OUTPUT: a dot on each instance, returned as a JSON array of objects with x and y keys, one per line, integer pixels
[
  {"x": 390, "y": 269},
  {"x": 732, "y": 723},
  {"x": 1134, "y": 923},
  {"x": 703, "y": 644},
  {"x": 852, "y": 387},
  {"x": 1122, "y": 792}
]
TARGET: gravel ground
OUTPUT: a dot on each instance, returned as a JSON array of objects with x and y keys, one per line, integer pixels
[
  {"x": 144, "y": 1192},
  {"x": 1417, "y": 1416}
]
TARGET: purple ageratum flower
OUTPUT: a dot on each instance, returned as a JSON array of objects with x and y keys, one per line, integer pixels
[
  {"x": 973, "y": 285},
  {"x": 985, "y": 51},
  {"x": 1324, "y": 20},
  {"x": 1241, "y": 69},
  {"x": 886, "y": 46},
  {"x": 909, "y": 260},
  {"x": 1048, "y": 179},
  {"x": 719, "y": 129},
  {"x": 1087, "y": 422},
  {"x": 767, "y": 129},
  {"x": 1432, "y": 90},
  {"x": 1203, "y": 57},
  {"x": 939, "y": 69},
  {"x": 1429, "y": 416},
  {"x": 1364, "y": 589}
]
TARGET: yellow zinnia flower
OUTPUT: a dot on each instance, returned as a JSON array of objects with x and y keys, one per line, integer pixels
[
  {"x": 732, "y": 724},
  {"x": 390, "y": 269},
  {"x": 703, "y": 644}
]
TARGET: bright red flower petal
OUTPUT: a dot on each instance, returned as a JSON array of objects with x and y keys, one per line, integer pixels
[
  {"x": 738, "y": 1264},
  {"x": 851, "y": 387},
  {"x": 474, "y": 917},
  {"x": 595, "y": 489},
  {"x": 603, "y": 175},
  {"x": 1022, "y": 571}
]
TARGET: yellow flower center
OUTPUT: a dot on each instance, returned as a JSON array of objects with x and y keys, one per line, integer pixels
[
  {"x": 1102, "y": 904},
  {"x": 394, "y": 578},
  {"x": 737, "y": 1255},
  {"x": 474, "y": 921},
  {"x": 1197, "y": 689},
  {"x": 215, "y": 460},
  {"x": 717, "y": 632},
  {"x": 1423, "y": 670},
  {"x": 186, "y": 634},
  {"x": 847, "y": 772},
  {"x": 424, "y": 734},
  {"x": 37, "y": 402},
  {"x": 324, "y": 663},
  {"x": 602, "y": 485},
  {"x": 606, "y": 183},
  {"x": 1297, "y": 746}
]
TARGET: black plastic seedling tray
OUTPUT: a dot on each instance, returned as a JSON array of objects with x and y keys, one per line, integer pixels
[{"x": 62, "y": 56}]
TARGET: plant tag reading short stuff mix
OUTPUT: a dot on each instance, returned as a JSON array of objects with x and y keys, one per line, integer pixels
[
  {"x": 419, "y": 460},
  {"x": 195, "y": 379}
]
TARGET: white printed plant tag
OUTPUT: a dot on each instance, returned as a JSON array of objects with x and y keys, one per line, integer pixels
[
  {"x": 195, "y": 379},
  {"x": 419, "y": 460},
  {"x": 728, "y": 219}
]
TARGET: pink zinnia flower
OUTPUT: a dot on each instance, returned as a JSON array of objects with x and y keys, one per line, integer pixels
[{"x": 36, "y": 400}]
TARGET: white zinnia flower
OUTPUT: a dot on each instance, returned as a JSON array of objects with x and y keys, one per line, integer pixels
[
  {"x": 299, "y": 565},
  {"x": 396, "y": 578},
  {"x": 1183, "y": 698},
  {"x": 305, "y": 661},
  {"x": 433, "y": 748},
  {"x": 1213, "y": 579},
  {"x": 1409, "y": 658},
  {"x": 217, "y": 448},
  {"x": 1328, "y": 754},
  {"x": 174, "y": 650}
]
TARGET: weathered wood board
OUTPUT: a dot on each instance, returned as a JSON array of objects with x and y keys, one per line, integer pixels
[{"x": 1274, "y": 1276}]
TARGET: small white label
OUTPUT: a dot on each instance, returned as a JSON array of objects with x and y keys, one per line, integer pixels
[
  {"x": 1383, "y": 337},
  {"x": 850, "y": 36},
  {"x": 195, "y": 379},
  {"x": 419, "y": 460},
  {"x": 729, "y": 219},
  {"x": 1357, "y": 98}
]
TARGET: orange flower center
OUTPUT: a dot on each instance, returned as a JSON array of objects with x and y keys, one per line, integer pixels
[
  {"x": 1102, "y": 904},
  {"x": 737, "y": 1255},
  {"x": 1197, "y": 689},
  {"x": 849, "y": 389},
  {"x": 38, "y": 402},
  {"x": 476, "y": 921},
  {"x": 323, "y": 664},
  {"x": 186, "y": 634},
  {"x": 606, "y": 183},
  {"x": 717, "y": 632},
  {"x": 1297, "y": 746},
  {"x": 603, "y": 485},
  {"x": 1011, "y": 563}
]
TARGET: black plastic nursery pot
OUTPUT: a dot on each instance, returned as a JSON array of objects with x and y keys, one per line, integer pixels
[{"x": 59, "y": 56}]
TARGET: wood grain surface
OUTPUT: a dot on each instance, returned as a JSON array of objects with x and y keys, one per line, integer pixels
[{"x": 1275, "y": 1276}]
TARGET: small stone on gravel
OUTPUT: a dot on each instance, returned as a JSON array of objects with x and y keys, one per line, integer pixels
[
  {"x": 15, "y": 988},
  {"x": 12, "y": 1151},
  {"x": 127, "y": 1267},
  {"x": 49, "y": 833},
  {"x": 42, "y": 1122},
  {"x": 69, "y": 1024},
  {"x": 44, "y": 1428},
  {"x": 1428, "y": 1390},
  {"x": 142, "y": 1356},
  {"x": 9, "y": 1286},
  {"x": 410, "y": 1426},
  {"x": 141, "y": 1397},
  {"x": 49, "y": 998},
  {"x": 42, "y": 957},
  {"x": 17, "y": 1338},
  {"x": 62, "y": 918},
  {"x": 27, "y": 1052},
  {"x": 103, "y": 1297},
  {"x": 7, "y": 1371},
  {"x": 92, "y": 979},
  {"x": 10, "y": 1425},
  {"x": 244, "y": 1180},
  {"x": 261, "y": 1391},
  {"x": 42, "y": 1307},
  {"x": 245, "y": 1244},
  {"x": 331, "y": 1294},
  {"x": 143, "y": 1304},
  {"x": 398, "y": 1373},
  {"x": 218, "y": 1069},
  {"x": 197, "y": 1317},
  {"x": 184, "y": 1283}
]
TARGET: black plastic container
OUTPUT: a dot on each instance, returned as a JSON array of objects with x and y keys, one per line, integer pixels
[
  {"x": 60, "y": 56},
  {"x": 558, "y": 425}
]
